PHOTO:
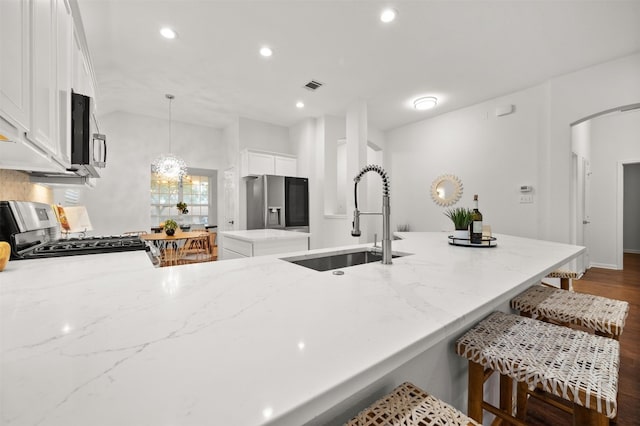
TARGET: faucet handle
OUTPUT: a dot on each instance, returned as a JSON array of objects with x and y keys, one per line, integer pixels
[{"x": 355, "y": 232}]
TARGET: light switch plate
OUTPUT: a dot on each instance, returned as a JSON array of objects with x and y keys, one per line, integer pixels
[{"x": 526, "y": 198}]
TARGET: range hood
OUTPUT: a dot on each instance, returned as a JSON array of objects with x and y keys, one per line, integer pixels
[{"x": 69, "y": 178}]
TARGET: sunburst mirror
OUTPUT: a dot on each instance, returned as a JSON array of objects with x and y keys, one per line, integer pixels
[{"x": 446, "y": 190}]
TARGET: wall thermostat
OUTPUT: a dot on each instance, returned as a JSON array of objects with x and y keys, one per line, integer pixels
[{"x": 526, "y": 188}]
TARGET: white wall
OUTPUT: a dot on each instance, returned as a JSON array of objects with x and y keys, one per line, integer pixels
[
  {"x": 614, "y": 138},
  {"x": 493, "y": 156},
  {"x": 120, "y": 201},
  {"x": 264, "y": 136},
  {"x": 632, "y": 208},
  {"x": 573, "y": 97}
]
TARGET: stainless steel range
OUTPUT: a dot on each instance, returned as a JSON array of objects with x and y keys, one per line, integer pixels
[{"x": 33, "y": 231}]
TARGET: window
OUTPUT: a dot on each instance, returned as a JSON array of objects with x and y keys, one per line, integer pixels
[{"x": 191, "y": 189}]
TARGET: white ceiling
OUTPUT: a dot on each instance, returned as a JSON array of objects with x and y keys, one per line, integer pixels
[{"x": 461, "y": 52}]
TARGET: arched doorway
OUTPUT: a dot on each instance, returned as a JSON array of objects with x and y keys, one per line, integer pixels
[{"x": 602, "y": 145}]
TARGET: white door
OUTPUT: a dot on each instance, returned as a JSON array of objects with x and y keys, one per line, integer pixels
[
  {"x": 230, "y": 194},
  {"x": 586, "y": 209}
]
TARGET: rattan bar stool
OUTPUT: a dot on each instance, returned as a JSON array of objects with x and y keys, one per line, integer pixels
[
  {"x": 577, "y": 367},
  {"x": 603, "y": 316},
  {"x": 565, "y": 278},
  {"x": 408, "y": 405}
]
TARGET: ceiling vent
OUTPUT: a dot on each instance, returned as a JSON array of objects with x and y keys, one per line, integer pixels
[{"x": 312, "y": 85}]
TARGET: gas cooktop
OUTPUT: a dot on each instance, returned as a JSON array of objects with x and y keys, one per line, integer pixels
[{"x": 86, "y": 245}]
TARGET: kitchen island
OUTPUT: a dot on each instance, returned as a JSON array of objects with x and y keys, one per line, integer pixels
[{"x": 108, "y": 339}]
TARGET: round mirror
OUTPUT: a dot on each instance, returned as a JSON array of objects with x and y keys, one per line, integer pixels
[{"x": 446, "y": 190}]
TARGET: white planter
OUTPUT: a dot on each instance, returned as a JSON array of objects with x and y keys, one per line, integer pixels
[{"x": 462, "y": 235}]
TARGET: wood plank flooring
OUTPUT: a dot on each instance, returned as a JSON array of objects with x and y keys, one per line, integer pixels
[{"x": 621, "y": 285}]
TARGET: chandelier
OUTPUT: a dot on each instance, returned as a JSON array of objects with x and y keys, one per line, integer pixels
[{"x": 169, "y": 165}]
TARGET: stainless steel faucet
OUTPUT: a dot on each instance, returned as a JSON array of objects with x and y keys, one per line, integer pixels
[{"x": 386, "y": 234}]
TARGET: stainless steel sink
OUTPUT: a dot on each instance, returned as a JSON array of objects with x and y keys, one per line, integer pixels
[{"x": 340, "y": 259}]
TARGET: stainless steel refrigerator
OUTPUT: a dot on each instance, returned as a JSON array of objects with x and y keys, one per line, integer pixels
[{"x": 278, "y": 202}]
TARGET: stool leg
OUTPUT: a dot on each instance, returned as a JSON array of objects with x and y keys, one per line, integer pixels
[
  {"x": 506, "y": 394},
  {"x": 565, "y": 283},
  {"x": 583, "y": 416},
  {"x": 521, "y": 400},
  {"x": 475, "y": 391}
]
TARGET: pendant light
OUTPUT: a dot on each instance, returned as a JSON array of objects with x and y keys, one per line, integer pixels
[{"x": 168, "y": 165}]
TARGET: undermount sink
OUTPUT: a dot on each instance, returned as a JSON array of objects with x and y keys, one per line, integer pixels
[{"x": 339, "y": 259}]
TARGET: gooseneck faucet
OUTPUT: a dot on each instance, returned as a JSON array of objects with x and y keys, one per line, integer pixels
[{"x": 386, "y": 235}]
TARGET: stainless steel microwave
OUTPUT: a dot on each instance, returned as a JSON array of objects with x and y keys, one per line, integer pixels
[{"x": 88, "y": 148}]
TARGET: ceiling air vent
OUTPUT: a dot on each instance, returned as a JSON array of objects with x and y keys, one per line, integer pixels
[{"x": 312, "y": 85}]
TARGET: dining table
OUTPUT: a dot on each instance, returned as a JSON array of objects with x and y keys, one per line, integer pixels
[{"x": 170, "y": 245}]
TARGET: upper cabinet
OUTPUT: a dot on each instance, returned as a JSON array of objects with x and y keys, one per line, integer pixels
[
  {"x": 15, "y": 68},
  {"x": 42, "y": 62},
  {"x": 43, "y": 74},
  {"x": 256, "y": 163}
]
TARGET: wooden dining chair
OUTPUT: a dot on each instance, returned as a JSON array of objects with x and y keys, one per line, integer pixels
[{"x": 196, "y": 250}]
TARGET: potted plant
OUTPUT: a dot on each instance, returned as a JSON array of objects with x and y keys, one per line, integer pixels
[
  {"x": 170, "y": 227},
  {"x": 461, "y": 218},
  {"x": 182, "y": 207}
]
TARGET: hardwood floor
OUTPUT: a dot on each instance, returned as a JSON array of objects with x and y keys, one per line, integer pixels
[{"x": 621, "y": 285}]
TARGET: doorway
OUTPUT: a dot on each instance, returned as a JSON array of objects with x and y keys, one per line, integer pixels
[{"x": 603, "y": 146}]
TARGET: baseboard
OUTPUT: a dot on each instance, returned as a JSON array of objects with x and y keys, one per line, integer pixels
[
  {"x": 632, "y": 251},
  {"x": 603, "y": 266}
]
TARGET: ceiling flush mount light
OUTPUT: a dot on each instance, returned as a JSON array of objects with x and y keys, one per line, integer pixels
[
  {"x": 426, "y": 102},
  {"x": 168, "y": 33},
  {"x": 169, "y": 165},
  {"x": 266, "y": 51},
  {"x": 388, "y": 15},
  {"x": 299, "y": 104}
]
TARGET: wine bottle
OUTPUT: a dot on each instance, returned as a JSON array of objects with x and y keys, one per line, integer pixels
[{"x": 476, "y": 225}]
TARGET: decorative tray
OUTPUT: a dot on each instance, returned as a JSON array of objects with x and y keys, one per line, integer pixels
[{"x": 486, "y": 242}]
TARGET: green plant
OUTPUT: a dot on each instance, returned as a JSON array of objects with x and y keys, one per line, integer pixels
[
  {"x": 170, "y": 224},
  {"x": 461, "y": 217},
  {"x": 182, "y": 206}
]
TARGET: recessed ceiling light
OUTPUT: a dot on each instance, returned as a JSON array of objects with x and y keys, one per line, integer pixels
[
  {"x": 266, "y": 51},
  {"x": 388, "y": 15},
  {"x": 426, "y": 102},
  {"x": 168, "y": 33},
  {"x": 299, "y": 104}
]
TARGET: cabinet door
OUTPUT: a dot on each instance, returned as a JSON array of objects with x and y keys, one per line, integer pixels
[
  {"x": 65, "y": 44},
  {"x": 286, "y": 166},
  {"x": 43, "y": 107},
  {"x": 261, "y": 164},
  {"x": 15, "y": 62}
]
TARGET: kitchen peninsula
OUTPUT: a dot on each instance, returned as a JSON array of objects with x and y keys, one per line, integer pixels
[{"x": 108, "y": 339}]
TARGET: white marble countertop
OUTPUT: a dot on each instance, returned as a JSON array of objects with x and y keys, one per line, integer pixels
[
  {"x": 254, "y": 235},
  {"x": 110, "y": 340}
]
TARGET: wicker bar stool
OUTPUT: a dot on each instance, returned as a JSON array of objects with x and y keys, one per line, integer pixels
[
  {"x": 565, "y": 278},
  {"x": 408, "y": 405},
  {"x": 603, "y": 316},
  {"x": 575, "y": 366}
]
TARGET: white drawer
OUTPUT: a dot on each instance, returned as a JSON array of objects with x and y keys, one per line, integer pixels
[
  {"x": 228, "y": 254},
  {"x": 239, "y": 246}
]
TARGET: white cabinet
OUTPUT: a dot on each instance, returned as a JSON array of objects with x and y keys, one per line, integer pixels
[
  {"x": 15, "y": 66},
  {"x": 261, "y": 242},
  {"x": 40, "y": 58},
  {"x": 256, "y": 163},
  {"x": 285, "y": 166},
  {"x": 43, "y": 84},
  {"x": 81, "y": 79},
  {"x": 64, "y": 71}
]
